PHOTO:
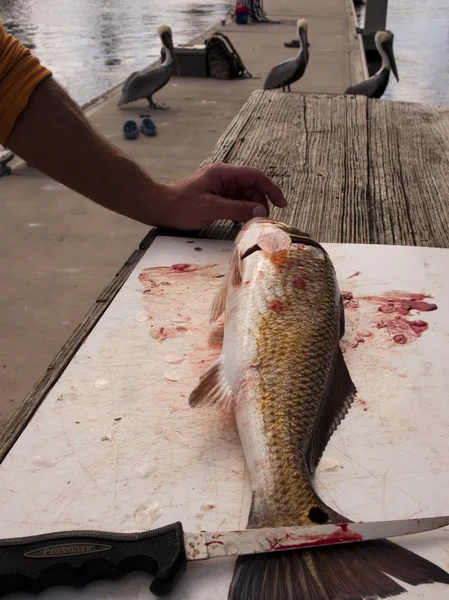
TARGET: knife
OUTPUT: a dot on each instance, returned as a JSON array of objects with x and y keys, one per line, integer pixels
[{"x": 77, "y": 558}]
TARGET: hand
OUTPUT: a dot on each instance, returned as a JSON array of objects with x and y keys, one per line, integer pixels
[{"x": 218, "y": 191}]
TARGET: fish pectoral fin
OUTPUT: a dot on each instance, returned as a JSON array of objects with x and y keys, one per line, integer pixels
[
  {"x": 235, "y": 268},
  {"x": 333, "y": 410},
  {"x": 213, "y": 389},
  {"x": 216, "y": 336},
  {"x": 233, "y": 277},
  {"x": 219, "y": 301}
]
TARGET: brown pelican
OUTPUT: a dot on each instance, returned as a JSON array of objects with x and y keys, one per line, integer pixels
[
  {"x": 375, "y": 86},
  {"x": 289, "y": 71},
  {"x": 145, "y": 83}
]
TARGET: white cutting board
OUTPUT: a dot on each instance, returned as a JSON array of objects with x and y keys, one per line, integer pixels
[{"x": 114, "y": 446}]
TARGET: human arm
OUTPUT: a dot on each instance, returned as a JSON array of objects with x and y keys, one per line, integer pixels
[{"x": 53, "y": 134}]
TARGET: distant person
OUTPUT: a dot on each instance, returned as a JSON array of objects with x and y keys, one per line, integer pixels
[{"x": 44, "y": 126}]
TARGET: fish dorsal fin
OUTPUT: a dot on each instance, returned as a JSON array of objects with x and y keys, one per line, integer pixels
[
  {"x": 232, "y": 277},
  {"x": 213, "y": 389},
  {"x": 333, "y": 410}
]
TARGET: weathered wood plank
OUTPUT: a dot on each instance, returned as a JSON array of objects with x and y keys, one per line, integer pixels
[
  {"x": 358, "y": 67},
  {"x": 353, "y": 170}
]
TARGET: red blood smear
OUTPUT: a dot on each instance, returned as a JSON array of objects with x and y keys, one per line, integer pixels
[
  {"x": 401, "y": 302},
  {"x": 184, "y": 268},
  {"x": 347, "y": 295},
  {"x": 214, "y": 542},
  {"x": 276, "y": 305},
  {"x": 156, "y": 272},
  {"x": 386, "y": 308},
  {"x": 404, "y": 331},
  {"x": 354, "y": 274},
  {"x": 419, "y": 326},
  {"x": 345, "y": 536},
  {"x": 168, "y": 332},
  {"x": 423, "y": 306}
]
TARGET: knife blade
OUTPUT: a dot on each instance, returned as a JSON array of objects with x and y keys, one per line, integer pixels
[{"x": 76, "y": 558}]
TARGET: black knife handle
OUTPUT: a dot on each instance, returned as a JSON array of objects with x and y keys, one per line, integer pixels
[{"x": 77, "y": 558}]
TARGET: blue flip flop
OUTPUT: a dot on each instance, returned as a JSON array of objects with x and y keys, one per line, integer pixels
[
  {"x": 148, "y": 127},
  {"x": 130, "y": 130}
]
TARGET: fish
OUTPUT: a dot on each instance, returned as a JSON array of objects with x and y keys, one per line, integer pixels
[{"x": 282, "y": 372}]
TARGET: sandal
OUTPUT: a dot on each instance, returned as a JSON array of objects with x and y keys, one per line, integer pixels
[
  {"x": 292, "y": 44},
  {"x": 147, "y": 127},
  {"x": 5, "y": 158},
  {"x": 130, "y": 130}
]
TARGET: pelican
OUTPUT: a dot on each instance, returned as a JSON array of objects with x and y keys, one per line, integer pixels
[
  {"x": 289, "y": 71},
  {"x": 145, "y": 83},
  {"x": 375, "y": 86}
]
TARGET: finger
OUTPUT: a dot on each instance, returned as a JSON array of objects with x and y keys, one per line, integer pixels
[
  {"x": 249, "y": 178},
  {"x": 242, "y": 211},
  {"x": 253, "y": 196}
]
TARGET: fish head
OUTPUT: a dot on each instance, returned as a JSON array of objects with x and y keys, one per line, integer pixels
[
  {"x": 262, "y": 233},
  {"x": 269, "y": 235}
]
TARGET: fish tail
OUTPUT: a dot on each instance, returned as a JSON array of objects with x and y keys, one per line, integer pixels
[{"x": 353, "y": 571}]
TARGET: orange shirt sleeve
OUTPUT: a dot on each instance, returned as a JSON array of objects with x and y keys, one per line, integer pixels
[{"x": 20, "y": 73}]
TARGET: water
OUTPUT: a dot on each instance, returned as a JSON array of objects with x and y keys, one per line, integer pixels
[
  {"x": 92, "y": 45},
  {"x": 421, "y": 47}
]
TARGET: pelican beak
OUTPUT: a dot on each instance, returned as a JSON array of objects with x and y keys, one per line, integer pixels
[
  {"x": 304, "y": 43},
  {"x": 169, "y": 42},
  {"x": 390, "y": 53}
]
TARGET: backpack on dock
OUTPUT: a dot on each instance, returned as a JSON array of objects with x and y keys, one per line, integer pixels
[{"x": 223, "y": 60}]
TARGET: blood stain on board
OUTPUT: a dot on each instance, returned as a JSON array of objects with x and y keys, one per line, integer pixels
[
  {"x": 170, "y": 297},
  {"x": 401, "y": 302},
  {"x": 164, "y": 333},
  {"x": 393, "y": 312}
]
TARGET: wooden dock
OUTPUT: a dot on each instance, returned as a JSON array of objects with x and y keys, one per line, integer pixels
[{"x": 353, "y": 170}]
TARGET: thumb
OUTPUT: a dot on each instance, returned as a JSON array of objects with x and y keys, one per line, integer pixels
[{"x": 235, "y": 210}]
